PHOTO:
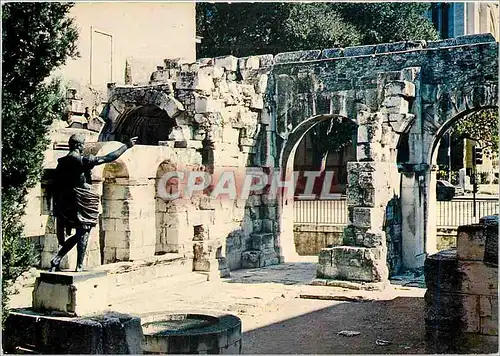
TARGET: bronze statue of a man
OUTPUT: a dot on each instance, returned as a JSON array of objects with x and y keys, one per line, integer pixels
[{"x": 76, "y": 206}]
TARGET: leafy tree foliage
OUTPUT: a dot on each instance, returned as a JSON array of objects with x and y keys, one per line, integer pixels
[
  {"x": 243, "y": 29},
  {"x": 36, "y": 38},
  {"x": 331, "y": 136},
  {"x": 480, "y": 126},
  {"x": 388, "y": 22}
]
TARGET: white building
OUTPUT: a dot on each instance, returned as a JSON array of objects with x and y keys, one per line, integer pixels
[{"x": 465, "y": 18}]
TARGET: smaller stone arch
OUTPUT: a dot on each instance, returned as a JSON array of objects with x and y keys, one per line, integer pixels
[
  {"x": 117, "y": 169},
  {"x": 450, "y": 122},
  {"x": 114, "y": 236},
  {"x": 444, "y": 106},
  {"x": 149, "y": 123},
  {"x": 149, "y": 113}
]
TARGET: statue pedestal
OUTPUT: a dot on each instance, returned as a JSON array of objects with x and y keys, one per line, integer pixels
[{"x": 71, "y": 293}]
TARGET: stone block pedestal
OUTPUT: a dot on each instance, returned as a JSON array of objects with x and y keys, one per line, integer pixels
[
  {"x": 111, "y": 333},
  {"x": 71, "y": 293},
  {"x": 461, "y": 301}
]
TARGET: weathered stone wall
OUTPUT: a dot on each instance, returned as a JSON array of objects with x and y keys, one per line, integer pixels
[
  {"x": 215, "y": 106},
  {"x": 310, "y": 239}
]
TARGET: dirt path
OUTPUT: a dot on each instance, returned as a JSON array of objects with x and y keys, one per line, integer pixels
[
  {"x": 313, "y": 328},
  {"x": 275, "y": 320}
]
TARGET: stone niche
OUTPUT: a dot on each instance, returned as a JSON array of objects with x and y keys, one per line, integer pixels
[{"x": 461, "y": 302}]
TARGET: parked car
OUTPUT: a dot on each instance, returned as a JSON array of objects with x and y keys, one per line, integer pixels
[{"x": 444, "y": 190}]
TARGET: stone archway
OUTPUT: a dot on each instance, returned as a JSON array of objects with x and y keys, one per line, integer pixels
[
  {"x": 451, "y": 107},
  {"x": 285, "y": 206},
  {"x": 114, "y": 237},
  {"x": 149, "y": 123},
  {"x": 441, "y": 108},
  {"x": 148, "y": 112}
]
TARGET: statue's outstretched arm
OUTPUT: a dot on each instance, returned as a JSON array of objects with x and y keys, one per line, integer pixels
[{"x": 112, "y": 156}]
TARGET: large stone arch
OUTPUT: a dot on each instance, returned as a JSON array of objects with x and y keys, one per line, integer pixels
[
  {"x": 449, "y": 107},
  {"x": 297, "y": 134},
  {"x": 441, "y": 106},
  {"x": 286, "y": 158}
]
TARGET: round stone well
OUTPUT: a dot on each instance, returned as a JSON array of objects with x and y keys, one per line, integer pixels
[{"x": 190, "y": 333}]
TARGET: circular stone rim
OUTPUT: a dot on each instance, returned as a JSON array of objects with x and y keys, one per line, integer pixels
[{"x": 224, "y": 322}]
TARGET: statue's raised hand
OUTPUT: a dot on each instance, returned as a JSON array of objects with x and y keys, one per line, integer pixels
[{"x": 131, "y": 142}]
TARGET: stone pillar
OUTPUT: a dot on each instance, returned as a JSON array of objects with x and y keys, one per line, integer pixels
[
  {"x": 207, "y": 253},
  {"x": 431, "y": 216},
  {"x": 128, "y": 220},
  {"x": 285, "y": 241},
  {"x": 412, "y": 234},
  {"x": 172, "y": 228}
]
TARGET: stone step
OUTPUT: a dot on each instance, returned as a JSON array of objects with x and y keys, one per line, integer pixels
[{"x": 137, "y": 272}]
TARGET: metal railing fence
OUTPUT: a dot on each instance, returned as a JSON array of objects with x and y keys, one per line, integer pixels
[{"x": 451, "y": 213}]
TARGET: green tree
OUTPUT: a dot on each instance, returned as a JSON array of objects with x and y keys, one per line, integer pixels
[
  {"x": 388, "y": 22},
  {"x": 331, "y": 136},
  {"x": 480, "y": 126},
  {"x": 36, "y": 38},
  {"x": 243, "y": 29}
]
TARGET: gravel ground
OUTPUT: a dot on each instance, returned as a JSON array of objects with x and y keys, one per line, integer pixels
[{"x": 275, "y": 320}]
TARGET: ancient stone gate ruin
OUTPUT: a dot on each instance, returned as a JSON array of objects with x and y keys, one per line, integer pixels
[{"x": 226, "y": 113}]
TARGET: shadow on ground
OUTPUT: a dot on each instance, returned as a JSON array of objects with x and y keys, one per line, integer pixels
[{"x": 399, "y": 321}]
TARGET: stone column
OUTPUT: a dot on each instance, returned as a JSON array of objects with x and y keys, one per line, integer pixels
[
  {"x": 431, "y": 205},
  {"x": 285, "y": 238},
  {"x": 412, "y": 229}
]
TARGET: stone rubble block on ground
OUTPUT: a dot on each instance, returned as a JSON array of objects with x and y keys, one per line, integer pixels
[{"x": 351, "y": 263}]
